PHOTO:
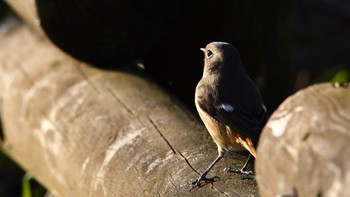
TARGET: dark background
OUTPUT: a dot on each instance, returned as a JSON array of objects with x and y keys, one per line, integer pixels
[{"x": 285, "y": 45}]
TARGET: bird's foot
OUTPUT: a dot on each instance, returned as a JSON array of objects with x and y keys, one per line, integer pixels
[
  {"x": 239, "y": 171},
  {"x": 205, "y": 179}
]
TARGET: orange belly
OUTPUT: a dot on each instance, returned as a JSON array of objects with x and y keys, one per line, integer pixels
[{"x": 225, "y": 137}]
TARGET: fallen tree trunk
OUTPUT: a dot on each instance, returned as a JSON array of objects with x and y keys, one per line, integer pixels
[{"x": 87, "y": 132}]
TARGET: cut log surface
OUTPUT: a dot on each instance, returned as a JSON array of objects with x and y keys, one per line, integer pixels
[
  {"x": 304, "y": 148},
  {"x": 82, "y": 131}
]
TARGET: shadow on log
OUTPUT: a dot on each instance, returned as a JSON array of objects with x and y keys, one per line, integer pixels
[
  {"x": 82, "y": 131},
  {"x": 304, "y": 148}
]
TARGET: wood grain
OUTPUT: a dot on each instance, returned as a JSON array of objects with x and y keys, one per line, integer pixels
[
  {"x": 304, "y": 148},
  {"x": 82, "y": 131}
]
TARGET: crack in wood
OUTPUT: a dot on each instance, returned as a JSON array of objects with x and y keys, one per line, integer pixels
[
  {"x": 137, "y": 172},
  {"x": 171, "y": 147},
  {"x": 161, "y": 135},
  {"x": 87, "y": 78},
  {"x": 188, "y": 163},
  {"x": 171, "y": 180},
  {"x": 121, "y": 102}
]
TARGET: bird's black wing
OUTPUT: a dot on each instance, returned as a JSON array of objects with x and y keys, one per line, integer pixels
[{"x": 248, "y": 123}]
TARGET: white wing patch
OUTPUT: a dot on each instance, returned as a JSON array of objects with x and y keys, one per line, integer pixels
[{"x": 227, "y": 107}]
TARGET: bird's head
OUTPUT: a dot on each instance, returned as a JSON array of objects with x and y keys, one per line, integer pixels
[{"x": 220, "y": 56}]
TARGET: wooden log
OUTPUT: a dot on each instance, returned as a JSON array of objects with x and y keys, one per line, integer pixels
[
  {"x": 304, "y": 148},
  {"x": 82, "y": 131},
  {"x": 172, "y": 32}
]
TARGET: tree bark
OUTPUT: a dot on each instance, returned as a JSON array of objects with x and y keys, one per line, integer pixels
[{"x": 82, "y": 131}]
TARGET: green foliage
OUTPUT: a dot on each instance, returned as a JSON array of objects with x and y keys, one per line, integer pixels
[
  {"x": 341, "y": 76},
  {"x": 334, "y": 75},
  {"x": 31, "y": 188},
  {"x": 26, "y": 191},
  {"x": 11, "y": 177}
]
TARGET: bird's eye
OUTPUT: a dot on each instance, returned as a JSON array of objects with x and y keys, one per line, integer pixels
[{"x": 209, "y": 53}]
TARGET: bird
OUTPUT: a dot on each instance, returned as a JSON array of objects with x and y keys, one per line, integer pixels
[{"x": 229, "y": 104}]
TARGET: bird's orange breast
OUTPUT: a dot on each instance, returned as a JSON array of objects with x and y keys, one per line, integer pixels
[{"x": 225, "y": 137}]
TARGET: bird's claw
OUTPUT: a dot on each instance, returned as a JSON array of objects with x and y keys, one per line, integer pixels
[
  {"x": 205, "y": 179},
  {"x": 239, "y": 171}
]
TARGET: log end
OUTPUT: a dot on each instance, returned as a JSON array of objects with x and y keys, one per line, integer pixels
[{"x": 303, "y": 149}]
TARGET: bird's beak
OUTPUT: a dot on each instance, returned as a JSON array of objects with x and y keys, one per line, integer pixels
[{"x": 202, "y": 49}]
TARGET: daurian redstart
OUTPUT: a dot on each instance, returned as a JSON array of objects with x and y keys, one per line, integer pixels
[{"x": 229, "y": 104}]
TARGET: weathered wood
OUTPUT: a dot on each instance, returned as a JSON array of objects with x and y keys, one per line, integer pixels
[
  {"x": 87, "y": 132},
  {"x": 304, "y": 148}
]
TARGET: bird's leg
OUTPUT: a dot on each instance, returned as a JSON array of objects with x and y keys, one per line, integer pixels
[
  {"x": 203, "y": 176},
  {"x": 242, "y": 170}
]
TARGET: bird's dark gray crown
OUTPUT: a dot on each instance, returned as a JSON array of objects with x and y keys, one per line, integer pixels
[
  {"x": 216, "y": 53},
  {"x": 223, "y": 48}
]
